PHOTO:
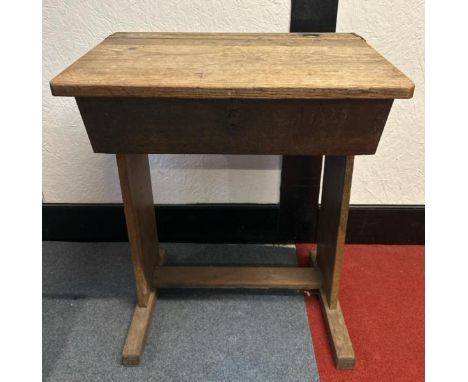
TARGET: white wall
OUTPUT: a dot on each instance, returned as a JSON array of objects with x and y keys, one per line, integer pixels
[
  {"x": 72, "y": 173},
  {"x": 395, "y": 175}
]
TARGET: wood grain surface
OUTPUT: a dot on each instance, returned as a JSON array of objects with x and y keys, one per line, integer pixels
[
  {"x": 222, "y": 126},
  {"x": 342, "y": 347},
  {"x": 138, "y": 331},
  {"x": 236, "y": 277},
  {"x": 137, "y": 195},
  {"x": 333, "y": 219},
  {"x": 340, "y": 341},
  {"x": 210, "y": 65}
]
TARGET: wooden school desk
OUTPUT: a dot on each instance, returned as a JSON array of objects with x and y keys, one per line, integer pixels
[{"x": 188, "y": 93}]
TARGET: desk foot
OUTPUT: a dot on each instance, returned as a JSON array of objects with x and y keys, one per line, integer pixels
[
  {"x": 340, "y": 341},
  {"x": 136, "y": 337}
]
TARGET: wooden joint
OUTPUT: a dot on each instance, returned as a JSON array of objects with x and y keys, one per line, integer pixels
[
  {"x": 340, "y": 341},
  {"x": 139, "y": 328}
]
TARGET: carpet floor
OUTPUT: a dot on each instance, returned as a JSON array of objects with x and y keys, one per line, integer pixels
[
  {"x": 382, "y": 297},
  {"x": 196, "y": 335},
  {"x": 231, "y": 336}
]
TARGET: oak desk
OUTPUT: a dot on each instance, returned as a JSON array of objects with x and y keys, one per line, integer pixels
[{"x": 285, "y": 94}]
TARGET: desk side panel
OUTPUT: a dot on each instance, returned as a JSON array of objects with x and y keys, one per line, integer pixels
[{"x": 190, "y": 126}]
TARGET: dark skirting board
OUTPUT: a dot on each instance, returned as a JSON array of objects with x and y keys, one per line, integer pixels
[{"x": 228, "y": 223}]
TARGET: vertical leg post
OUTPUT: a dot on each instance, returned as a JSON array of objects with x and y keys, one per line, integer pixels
[
  {"x": 331, "y": 236},
  {"x": 299, "y": 193},
  {"x": 135, "y": 182}
]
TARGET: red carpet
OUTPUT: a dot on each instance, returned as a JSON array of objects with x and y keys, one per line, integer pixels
[{"x": 382, "y": 297}]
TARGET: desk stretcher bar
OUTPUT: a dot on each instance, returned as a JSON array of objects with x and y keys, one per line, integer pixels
[
  {"x": 295, "y": 94},
  {"x": 236, "y": 277}
]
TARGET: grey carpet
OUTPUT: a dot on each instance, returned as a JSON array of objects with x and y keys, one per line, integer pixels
[{"x": 196, "y": 335}]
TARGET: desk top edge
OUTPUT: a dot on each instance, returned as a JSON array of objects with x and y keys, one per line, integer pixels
[
  {"x": 82, "y": 79},
  {"x": 228, "y": 35}
]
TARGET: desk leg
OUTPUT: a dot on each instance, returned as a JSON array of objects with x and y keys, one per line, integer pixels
[
  {"x": 331, "y": 235},
  {"x": 135, "y": 182},
  {"x": 299, "y": 194}
]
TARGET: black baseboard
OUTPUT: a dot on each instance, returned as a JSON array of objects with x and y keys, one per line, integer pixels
[{"x": 227, "y": 223}]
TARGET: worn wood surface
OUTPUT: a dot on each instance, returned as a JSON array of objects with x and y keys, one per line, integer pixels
[
  {"x": 137, "y": 195},
  {"x": 211, "y": 65},
  {"x": 236, "y": 277},
  {"x": 333, "y": 217},
  {"x": 182, "y": 126},
  {"x": 340, "y": 341},
  {"x": 139, "y": 327},
  {"x": 290, "y": 94}
]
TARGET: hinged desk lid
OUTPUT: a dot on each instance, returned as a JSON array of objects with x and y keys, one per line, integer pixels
[{"x": 265, "y": 66}]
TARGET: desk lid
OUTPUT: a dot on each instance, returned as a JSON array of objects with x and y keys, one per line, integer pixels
[{"x": 226, "y": 65}]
